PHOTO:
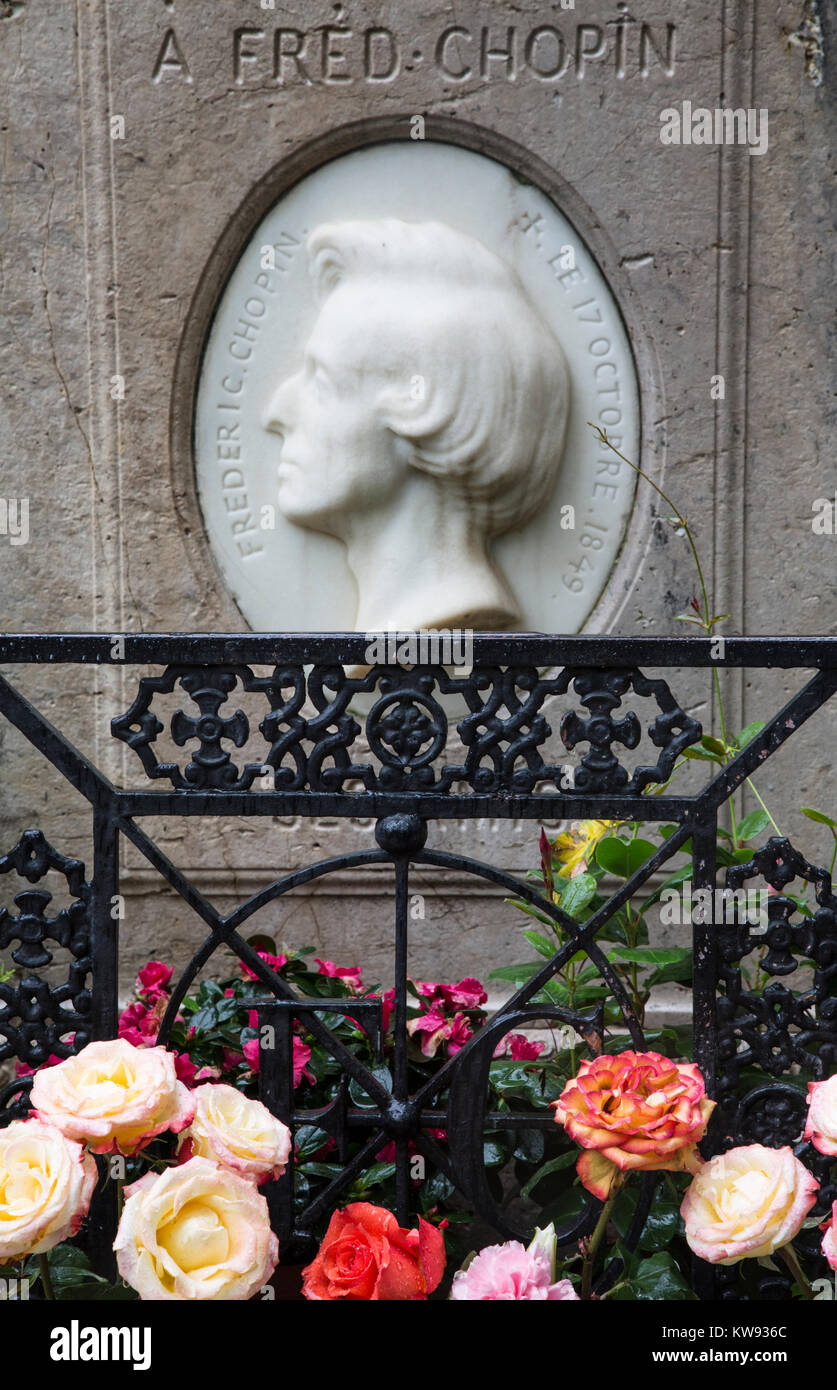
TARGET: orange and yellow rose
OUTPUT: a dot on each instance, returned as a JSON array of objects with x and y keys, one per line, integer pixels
[{"x": 634, "y": 1110}]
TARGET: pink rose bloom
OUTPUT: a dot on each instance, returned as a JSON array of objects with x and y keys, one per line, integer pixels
[
  {"x": 273, "y": 962},
  {"x": 437, "y": 1029},
  {"x": 302, "y": 1056},
  {"x": 821, "y": 1126},
  {"x": 519, "y": 1048},
  {"x": 829, "y": 1243},
  {"x": 351, "y": 975},
  {"x": 747, "y": 1203},
  {"x": 510, "y": 1273},
  {"x": 152, "y": 980}
]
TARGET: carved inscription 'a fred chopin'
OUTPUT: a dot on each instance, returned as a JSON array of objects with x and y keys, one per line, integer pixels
[{"x": 276, "y": 51}]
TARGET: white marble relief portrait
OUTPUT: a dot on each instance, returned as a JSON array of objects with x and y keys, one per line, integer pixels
[
  {"x": 390, "y": 423},
  {"x": 427, "y": 416}
]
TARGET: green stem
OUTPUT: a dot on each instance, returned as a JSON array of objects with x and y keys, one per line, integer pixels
[
  {"x": 791, "y": 1259},
  {"x": 597, "y": 1237},
  {"x": 759, "y": 799},
  {"x": 683, "y": 522},
  {"x": 46, "y": 1279},
  {"x": 834, "y": 855}
]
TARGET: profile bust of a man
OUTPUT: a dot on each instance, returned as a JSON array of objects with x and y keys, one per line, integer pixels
[{"x": 428, "y": 417}]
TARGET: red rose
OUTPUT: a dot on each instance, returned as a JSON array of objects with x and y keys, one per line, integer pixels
[{"x": 365, "y": 1255}]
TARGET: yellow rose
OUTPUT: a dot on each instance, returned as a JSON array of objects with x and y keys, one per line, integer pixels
[
  {"x": 46, "y": 1182},
  {"x": 195, "y": 1232},
  {"x": 114, "y": 1097},
  {"x": 747, "y": 1203},
  {"x": 238, "y": 1132}
]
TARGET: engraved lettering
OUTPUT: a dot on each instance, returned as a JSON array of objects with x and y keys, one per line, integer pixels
[
  {"x": 170, "y": 59},
  {"x": 540, "y": 44},
  {"x": 501, "y": 55},
  {"x": 585, "y": 50},
  {"x": 332, "y": 56},
  {"x": 456, "y": 32},
  {"x": 646, "y": 43},
  {"x": 241, "y": 53},
  {"x": 381, "y": 59},
  {"x": 291, "y": 52}
]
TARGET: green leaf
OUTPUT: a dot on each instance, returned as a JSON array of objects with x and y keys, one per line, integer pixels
[
  {"x": 656, "y": 1279},
  {"x": 523, "y": 906},
  {"x": 493, "y": 1155},
  {"x": 374, "y": 1175},
  {"x": 530, "y": 1146},
  {"x": 578, "y": 893},
  {"x": 96, "y": 1293},
  {"x": 713, "y": 745},
  {"x": 612, "y": 854},
  {"x": 517, "y": 974},
  {"x": 819, "y": 816},
  {"x": 753, "y": 825},
  {"x": 701, "y": 756},
  {"x": 360, "y": 1096},
  {"x": 553, "y": 1166},
  {"x": 541, "y": 944},
  {"x": 308, "y": 1140},
  {"x": 747, "y": 735},
  {"x": 651, "y": 955},
  {"x": 260, "y": 942},
  {"x": 438, "y": 1188}
]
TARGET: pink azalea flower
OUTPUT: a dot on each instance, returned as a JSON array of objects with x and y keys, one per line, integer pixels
[
  {"x": 350, "y": 974},
  {"x": 185, "y": 1069},
  {"x": 468, "y": 994},
  {"x": 153, "y": 979},
  {"x": 510, "y": 1273},
  {"x": 139, "y": 1025},
  {"x": 302, "y": 1056},
  {"x": 437, "y": 1029},
  {"x": 274, "y": 962},
  {"x": 519, "y": 1048}
]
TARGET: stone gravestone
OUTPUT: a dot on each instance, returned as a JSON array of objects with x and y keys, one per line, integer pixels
[{"x": 218, "y": 218}]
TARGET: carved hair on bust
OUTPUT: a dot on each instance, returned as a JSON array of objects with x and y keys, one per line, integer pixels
[
  {"x": 428, "y": 417},
  {"x": 493, "y": 416}
]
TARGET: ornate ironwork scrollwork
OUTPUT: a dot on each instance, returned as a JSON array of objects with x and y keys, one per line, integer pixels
[{"x": 36, "y": 1015}]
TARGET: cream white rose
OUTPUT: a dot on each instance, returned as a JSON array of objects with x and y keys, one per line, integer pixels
[
  {"x": 747, "y": 1203},
  {"x": 46, "y": 1182},
  {"x": 114, "y": 1097},
  {"x": 195, "y": 1232},
  {"x": 238, "y": 1132}
]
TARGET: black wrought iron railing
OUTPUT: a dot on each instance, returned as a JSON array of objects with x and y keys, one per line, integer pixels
[{"x": 539, "y": 728}]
